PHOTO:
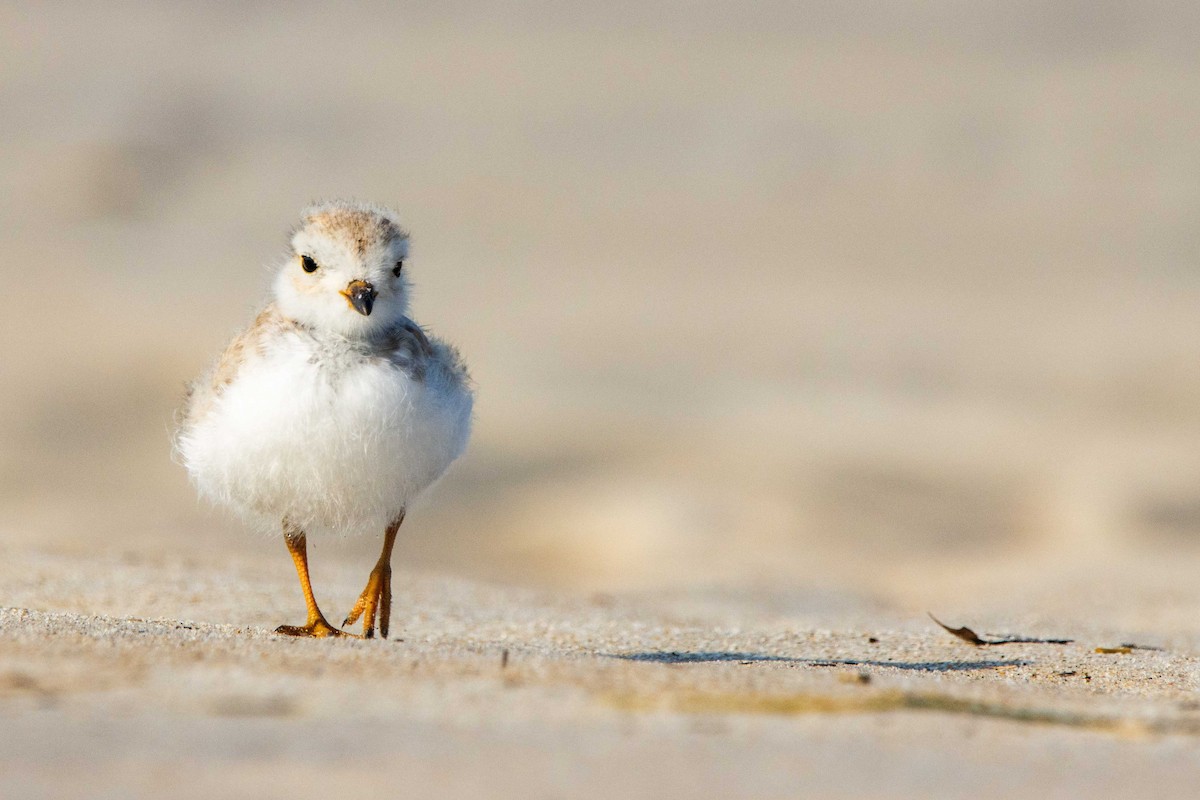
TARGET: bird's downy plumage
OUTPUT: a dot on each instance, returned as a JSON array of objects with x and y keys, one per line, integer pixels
[{"x": 334, "y": 410}]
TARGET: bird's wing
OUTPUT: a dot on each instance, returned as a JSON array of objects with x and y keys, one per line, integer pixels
[
  {"x": 204, "y": 392},
  {"x": 408, "y": 347},
  {"x": 250, "y": 341},
  {"x": 418, "y": 336}
]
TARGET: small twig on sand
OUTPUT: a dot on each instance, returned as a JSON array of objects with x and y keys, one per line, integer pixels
[{"x": 968, "y": 635}]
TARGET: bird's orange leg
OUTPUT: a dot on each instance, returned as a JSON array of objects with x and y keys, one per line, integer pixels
[
  {"x": 297, "y": 544},
  {"x": 376, "y": 599}
]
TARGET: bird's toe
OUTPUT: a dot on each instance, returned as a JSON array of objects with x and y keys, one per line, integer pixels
[{"x": 319, "y": 629}]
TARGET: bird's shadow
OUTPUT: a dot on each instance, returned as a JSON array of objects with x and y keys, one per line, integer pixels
[{"x": 704, "y": 656}]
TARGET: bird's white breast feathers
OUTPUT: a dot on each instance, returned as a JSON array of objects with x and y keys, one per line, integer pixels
[{"x": 332, "y": 439}]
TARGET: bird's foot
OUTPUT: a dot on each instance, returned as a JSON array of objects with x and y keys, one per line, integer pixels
[
  {"x": 316, "y": 629},
  {"x": 374, "y": 602}
]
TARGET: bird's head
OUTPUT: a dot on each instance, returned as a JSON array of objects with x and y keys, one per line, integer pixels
[{"x": 346, "y": 274}]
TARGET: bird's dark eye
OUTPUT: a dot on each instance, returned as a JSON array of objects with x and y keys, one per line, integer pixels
[
  {"x": 308, "y": 264},
  {"x": 396, "y": 269}
]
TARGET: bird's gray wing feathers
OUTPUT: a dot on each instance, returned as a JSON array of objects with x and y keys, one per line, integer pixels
[
  {"x": 419, "y": 355},
  {"x": 409, "y": 348}
]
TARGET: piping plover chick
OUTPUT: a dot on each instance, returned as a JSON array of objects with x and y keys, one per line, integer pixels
[{"x": 334, "y": 410}]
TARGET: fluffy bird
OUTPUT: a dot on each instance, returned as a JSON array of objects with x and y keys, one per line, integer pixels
[{"x": 334, "y": 410}]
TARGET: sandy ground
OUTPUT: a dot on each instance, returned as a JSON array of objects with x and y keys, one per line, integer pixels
[
  {"x": 791, "y": 322},
  {"x": 500, "y": 692}
]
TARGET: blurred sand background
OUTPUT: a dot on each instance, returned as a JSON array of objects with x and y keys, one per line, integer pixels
[
  {"x": 740, "y": 289},
  {"x": 815, "y": 308}
]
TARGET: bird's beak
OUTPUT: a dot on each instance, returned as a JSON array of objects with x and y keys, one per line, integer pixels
[{"x": 361, "y": 296}]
